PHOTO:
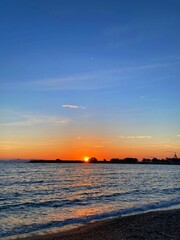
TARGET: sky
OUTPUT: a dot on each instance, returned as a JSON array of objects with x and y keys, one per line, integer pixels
[{"x": 89, "y": 78}]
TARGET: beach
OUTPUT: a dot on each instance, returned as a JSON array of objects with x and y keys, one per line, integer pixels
[{"x": 158, "y": 225}]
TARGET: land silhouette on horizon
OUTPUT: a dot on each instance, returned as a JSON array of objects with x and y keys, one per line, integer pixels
[{"x": 127, "y": 160}]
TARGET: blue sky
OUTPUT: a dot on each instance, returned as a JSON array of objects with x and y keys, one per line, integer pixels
[{"x": 81, "y": 74}]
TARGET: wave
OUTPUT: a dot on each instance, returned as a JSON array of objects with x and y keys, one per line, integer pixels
[
  {"x": 57, "y": 224},
  {"x": 86, "y": 199}
]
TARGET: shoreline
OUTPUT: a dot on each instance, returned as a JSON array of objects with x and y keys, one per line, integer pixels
[{"x": 159, "y": 225}]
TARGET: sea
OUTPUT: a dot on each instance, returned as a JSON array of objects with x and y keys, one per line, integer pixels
[{"x": 38, "y": 198}]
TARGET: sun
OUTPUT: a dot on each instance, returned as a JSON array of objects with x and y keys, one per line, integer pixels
[{"x": 86, "y": 159}]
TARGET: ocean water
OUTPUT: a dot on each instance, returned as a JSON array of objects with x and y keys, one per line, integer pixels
[{"x": 46, "y": 197}]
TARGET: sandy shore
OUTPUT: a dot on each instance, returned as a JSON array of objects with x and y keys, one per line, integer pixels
[{"x": 149, "y": 226}]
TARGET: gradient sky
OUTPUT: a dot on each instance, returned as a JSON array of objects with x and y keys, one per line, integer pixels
[{"x": 89, "y": 78}]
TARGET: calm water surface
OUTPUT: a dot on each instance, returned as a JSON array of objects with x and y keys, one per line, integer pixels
[{"x": 37, "y": 197}]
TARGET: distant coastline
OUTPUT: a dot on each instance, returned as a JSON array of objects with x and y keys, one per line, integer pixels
[{"x": 167, "y": 161}]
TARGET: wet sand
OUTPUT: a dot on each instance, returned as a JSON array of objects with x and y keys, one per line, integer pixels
[{"x": 159, "y": 225}]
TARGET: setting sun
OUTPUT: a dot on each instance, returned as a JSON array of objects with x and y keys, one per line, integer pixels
[{"x": 86, "y": 159}]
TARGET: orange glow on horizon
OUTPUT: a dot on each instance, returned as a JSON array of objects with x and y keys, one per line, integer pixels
[{"x": 70, "y": 149}]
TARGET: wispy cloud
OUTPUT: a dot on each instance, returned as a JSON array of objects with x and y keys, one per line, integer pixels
[
  {"x": 73, "y": 106},
  {"x": 140, "y": 67},
  {"x": 27, "y": 120},
  {"x": 7, "y": 145},
  {"x": 163, "y": 145},
  {"x": 73, "y": 82},
  {"x": 135, "y": 137},
  {"x": 178, "y": 135},
  {"x": 101, "y": 79},
  {"x": 118, "y": 75},
  {"x": 96, "y": 146}
]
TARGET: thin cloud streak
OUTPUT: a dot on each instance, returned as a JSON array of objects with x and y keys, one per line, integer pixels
[
  {"x": 73, "y": 106},
  {"x": 97, "y": 80},
  {"x": 31, "y": 120},
  {"x": 101, "y": 79},
  {"x": 141, "y": 67},
  {"x": 135, "y": 137},
  {"x": 97, "y": 146}
]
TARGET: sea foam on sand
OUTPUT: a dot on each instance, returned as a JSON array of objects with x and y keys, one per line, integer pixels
[{"x": 155, "y": 225}]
